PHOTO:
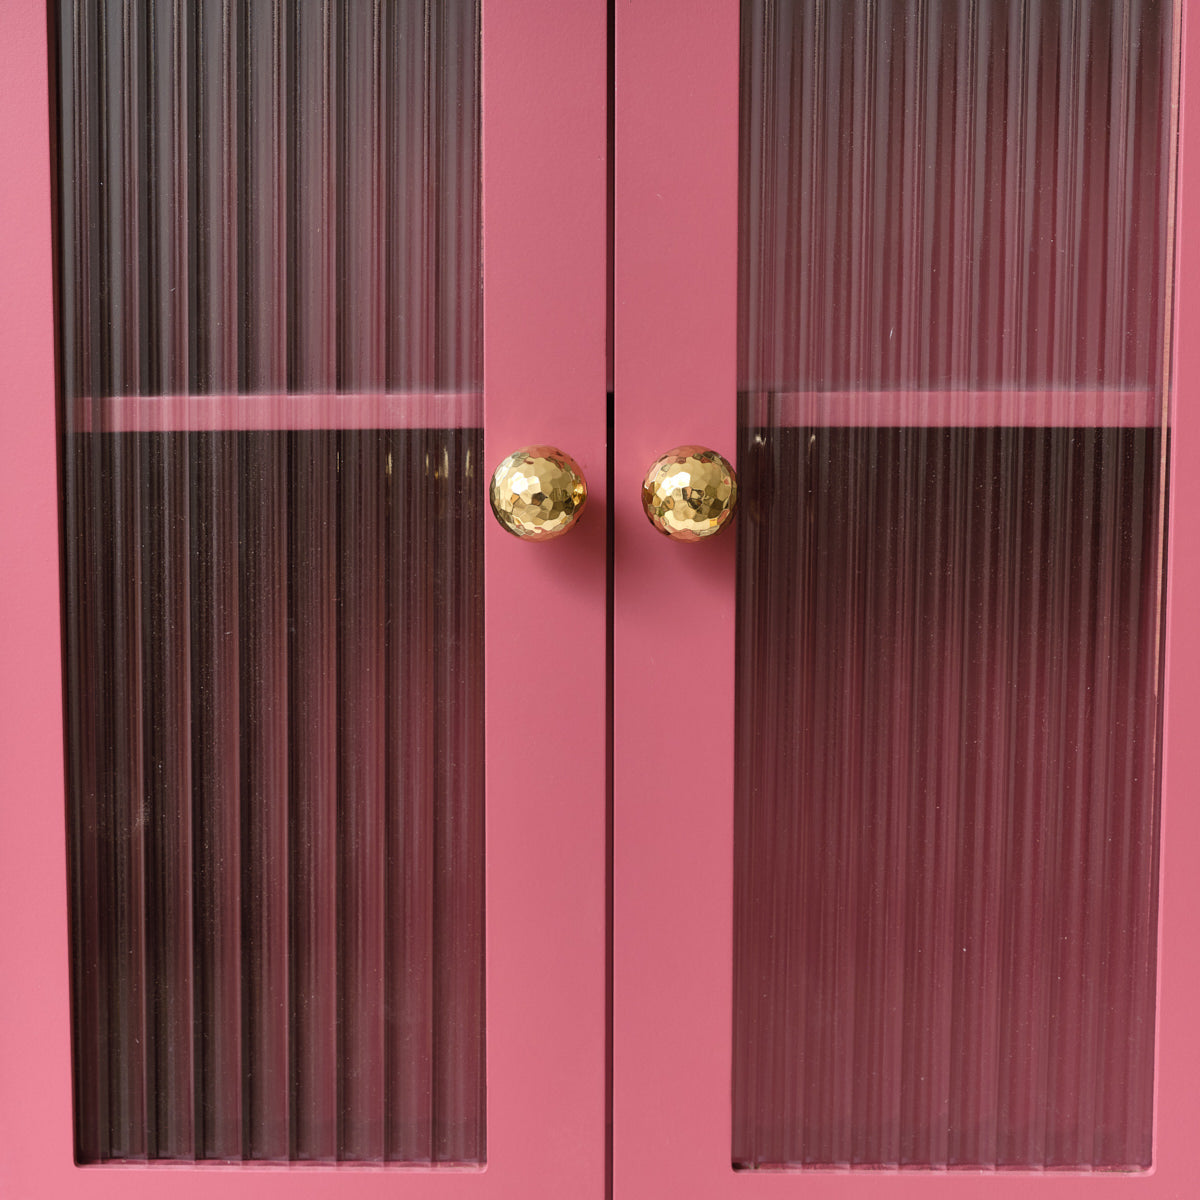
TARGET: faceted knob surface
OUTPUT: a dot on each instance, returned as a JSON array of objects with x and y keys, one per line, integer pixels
[
  {"x": 538, "y": 493},
  {"x": 690, "y": 493}
]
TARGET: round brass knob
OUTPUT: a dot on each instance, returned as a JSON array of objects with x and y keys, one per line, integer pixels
[
  {"x": 538, "y": 493},
  {"x": 690, "y": 493}
]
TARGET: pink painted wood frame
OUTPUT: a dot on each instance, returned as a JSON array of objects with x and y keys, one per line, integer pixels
[
  {"x": 544, "y": 136},
  {"x": 674, "y": 344},
  {"x": 674, "y": 383}
]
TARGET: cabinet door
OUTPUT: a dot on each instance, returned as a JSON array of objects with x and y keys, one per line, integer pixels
[
  {"x": 318, "y": 902},
  {"x": 902, "y": 773}
]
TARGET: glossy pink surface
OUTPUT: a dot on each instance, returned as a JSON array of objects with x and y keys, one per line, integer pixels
[
  {"x": 544, "y": 247},
  {"x": 35, "y": 1100},
  {"x": 544, "y": 130},
  {"x": 1177, "y": 1112},
  {"x": 675, "y": 355}
]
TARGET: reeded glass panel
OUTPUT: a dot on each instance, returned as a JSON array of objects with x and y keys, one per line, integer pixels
[
  {"x": 954, "y": 289},
  {"x": 269, "y": 284}
]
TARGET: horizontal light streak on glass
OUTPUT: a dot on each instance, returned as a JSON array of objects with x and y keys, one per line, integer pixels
[
  {"x": 913, "y": 408},
  {"x": 287, "y": 410}
]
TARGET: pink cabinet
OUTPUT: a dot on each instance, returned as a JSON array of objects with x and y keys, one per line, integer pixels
[{"x": 353, "y": 845}]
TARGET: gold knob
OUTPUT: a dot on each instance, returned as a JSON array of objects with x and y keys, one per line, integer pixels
[
  {"x": 538, "y": 493},
  {"x": 690, "y": 493}
]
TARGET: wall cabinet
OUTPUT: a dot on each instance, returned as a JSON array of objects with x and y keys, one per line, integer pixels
[{"x": 353, "y": 845}]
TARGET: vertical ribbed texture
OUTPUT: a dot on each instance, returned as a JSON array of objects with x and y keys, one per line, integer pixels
[
  {"x": 949, "y": 646},
  {"x": 273, "y": 635},
  {"x": 269, "y": 197},
  {"x": 957, "y": 193}
]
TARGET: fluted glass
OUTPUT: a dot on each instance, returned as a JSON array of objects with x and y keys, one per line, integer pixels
[
  {"x": 955, "y": 246},
  {"x": 270, "y": 362}
]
